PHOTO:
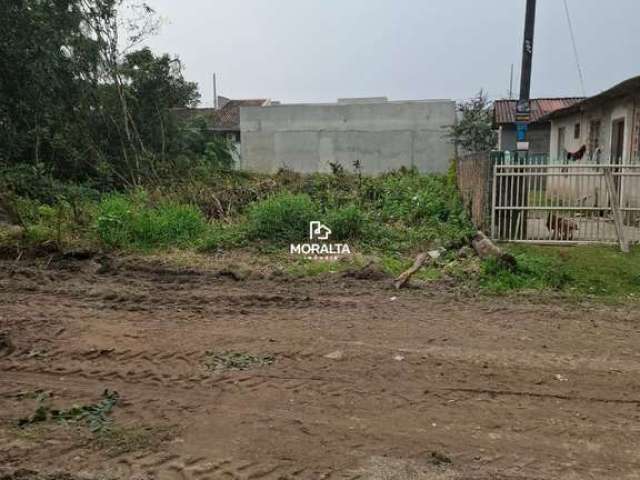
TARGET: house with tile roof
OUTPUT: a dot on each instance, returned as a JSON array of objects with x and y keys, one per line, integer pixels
[
  {"x": 224, "y": 120},
  {"x": 539, "y": 133},
  {"x": 604, "y": 128}
]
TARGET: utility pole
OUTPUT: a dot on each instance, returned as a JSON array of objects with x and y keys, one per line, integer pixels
[
  {"x": 215, "y": 92},
  {"x": 523, "y": 107},
  {"x": 518, "y": 224},
  {"x": 511, "y": 83}
]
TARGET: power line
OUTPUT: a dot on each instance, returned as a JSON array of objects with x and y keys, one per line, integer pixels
[{"x": 575, "y": 49}]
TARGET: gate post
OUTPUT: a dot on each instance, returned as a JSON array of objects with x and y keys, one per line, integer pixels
[
  {"x": 614, "y": 198},
  {"x": 493, "y": 201}
]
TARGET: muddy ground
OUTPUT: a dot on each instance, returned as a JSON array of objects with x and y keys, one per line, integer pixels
[{"x": 337, "y": 378}]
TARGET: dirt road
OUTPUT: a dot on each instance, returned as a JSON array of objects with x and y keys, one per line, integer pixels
[{"x": 342, "y": 378}]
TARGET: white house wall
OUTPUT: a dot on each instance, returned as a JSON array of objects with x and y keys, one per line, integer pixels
[
  {"x": 593, "y": 191},
  {"x": 622, "y": 109}
]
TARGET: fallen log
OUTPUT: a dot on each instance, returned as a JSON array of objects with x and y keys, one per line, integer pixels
[
  {"x": 419, "y": 262},
  {"x": 404, "y": 277},
  {"x": 485, "y": 248}
]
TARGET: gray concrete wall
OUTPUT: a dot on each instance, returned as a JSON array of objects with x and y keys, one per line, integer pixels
[{"x": 382, "y": 136}]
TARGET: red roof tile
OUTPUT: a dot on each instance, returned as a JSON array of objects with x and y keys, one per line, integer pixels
[
  {"x": 226, "y": 118},
  {"x": 504, "y": 111}
]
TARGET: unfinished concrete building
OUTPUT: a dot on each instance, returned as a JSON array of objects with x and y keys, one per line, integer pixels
[{"x": 379, "y": 134}]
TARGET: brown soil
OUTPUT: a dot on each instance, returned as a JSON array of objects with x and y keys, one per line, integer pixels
[{"x": 365, "y": 382}]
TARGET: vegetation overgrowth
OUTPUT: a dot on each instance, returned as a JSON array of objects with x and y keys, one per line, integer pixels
[
  {"x": 400, "y": 212},
  {"x": 93, "y": 154},
  {"x": 388, "y": 218}
]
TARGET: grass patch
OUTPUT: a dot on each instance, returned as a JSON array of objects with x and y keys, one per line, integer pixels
[
  {"x": 132, "y": 222},
  {"x": 580, "y": 270},
  {"x": 394, "y": 265}
]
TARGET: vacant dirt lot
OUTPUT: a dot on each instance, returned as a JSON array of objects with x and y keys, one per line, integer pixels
[{"x": 341, "y": 378}]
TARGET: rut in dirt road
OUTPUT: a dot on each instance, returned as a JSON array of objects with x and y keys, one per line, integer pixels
[{"x": 429, "y": 385}]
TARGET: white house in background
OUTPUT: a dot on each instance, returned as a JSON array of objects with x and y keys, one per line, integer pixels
[{"x": 604, "y": 128}]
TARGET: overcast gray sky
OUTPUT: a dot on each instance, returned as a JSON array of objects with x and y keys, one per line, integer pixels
[{"x": 319, "y": 50}]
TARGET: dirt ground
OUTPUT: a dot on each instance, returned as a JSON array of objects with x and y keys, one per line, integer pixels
[{"x": 361, "y": 382}]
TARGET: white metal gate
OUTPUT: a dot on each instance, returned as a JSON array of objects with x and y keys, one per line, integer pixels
[{"x": 587, "y": 203}]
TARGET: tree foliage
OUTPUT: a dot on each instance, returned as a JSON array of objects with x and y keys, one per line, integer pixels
[
  {"x": 474, "y": 130},
  {"x": 79, "y": 101}
]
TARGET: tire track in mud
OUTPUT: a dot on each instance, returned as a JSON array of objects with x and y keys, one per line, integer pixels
[
  {"x": 168, "y": 465},
  {"x": 254, "y": 382},
  {"x": 186, "y": 370},
  {"x": 177, "y": 467},
  {"x": 145, "y": 397},
  {"x": 228, "y": 383}
]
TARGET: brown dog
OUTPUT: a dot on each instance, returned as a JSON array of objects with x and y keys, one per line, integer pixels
[{"x": 561, "y": 228}]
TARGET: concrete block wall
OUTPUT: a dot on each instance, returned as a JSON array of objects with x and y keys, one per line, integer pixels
[{"x": 383, "y": 136}]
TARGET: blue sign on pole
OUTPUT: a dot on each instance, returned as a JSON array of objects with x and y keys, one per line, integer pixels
[{"x": 521, "y": 131}]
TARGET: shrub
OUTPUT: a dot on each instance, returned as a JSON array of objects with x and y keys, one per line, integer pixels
[
  {"x": 61, "y": 223},
  {"x": 115, "y": 221},
  {"x": 127, "y": 221},
  {"x": 282, "y": 218},
  {"x": 37, "y": 183},
  {"x": 348, "y": 223},
  {"x": 331, "y": 190},
  {"x": 414, "y": 199}
]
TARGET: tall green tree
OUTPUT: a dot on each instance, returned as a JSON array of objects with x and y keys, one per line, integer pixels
[
  {"x": 75, "y": 102},
  {"x": 473, "y": 132}
]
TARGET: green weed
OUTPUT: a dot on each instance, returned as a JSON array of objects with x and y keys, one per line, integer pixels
[
  {"x": 348, "y": 223},
  {"x": 236, "y": 360},
  {"x": 95, "y": 415},
  {"x": 282, "y": 218},
  {"x": 131, "y": 222}
]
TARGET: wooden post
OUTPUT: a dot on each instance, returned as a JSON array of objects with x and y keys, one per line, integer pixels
[{"x": 614, "y": 198}]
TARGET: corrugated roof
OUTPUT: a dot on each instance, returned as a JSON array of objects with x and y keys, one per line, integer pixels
[
  {"x": 504, "y": 111},
  {"x": 628, "y": 87}
]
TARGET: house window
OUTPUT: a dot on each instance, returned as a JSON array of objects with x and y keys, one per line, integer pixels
[{"x": 576, "y": 131}]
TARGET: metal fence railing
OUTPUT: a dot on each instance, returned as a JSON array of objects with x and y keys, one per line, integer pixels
[{"x": 566, "y": 203}]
